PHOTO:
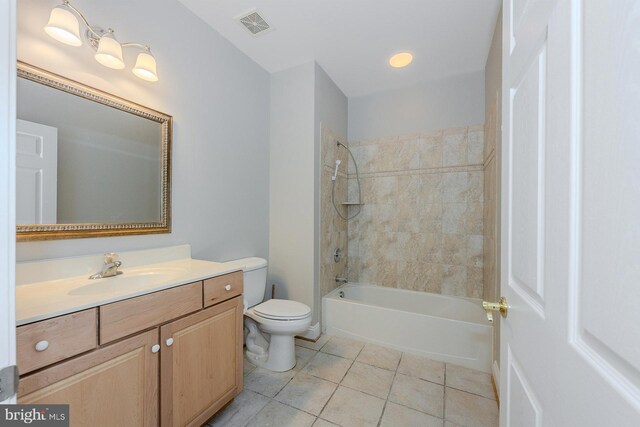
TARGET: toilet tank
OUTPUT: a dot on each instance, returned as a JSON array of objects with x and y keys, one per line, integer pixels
[{"x": 255, "y": 279}]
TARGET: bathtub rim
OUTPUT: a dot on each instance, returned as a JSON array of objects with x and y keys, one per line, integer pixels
[{"x": 333, "y": 295}]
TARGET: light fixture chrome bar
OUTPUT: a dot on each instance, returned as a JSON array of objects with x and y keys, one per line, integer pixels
[
  {"x": 84, "y": 20},
  {"x": 108, "y": 30},
  {"x": 64, "y": 26},
  {"x": 140, "y": 45}
]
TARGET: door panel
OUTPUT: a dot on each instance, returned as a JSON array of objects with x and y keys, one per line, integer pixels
[
  {"x": 527, "y": 165},
  {"x": 608, "y": 207},
  {"x": 524, "y": 410},
  {"x": 36, "y": 173},
  {"x": 571, "y": 213}
]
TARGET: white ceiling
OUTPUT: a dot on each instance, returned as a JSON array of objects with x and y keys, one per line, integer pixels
[{"x": 352, "y": 40}]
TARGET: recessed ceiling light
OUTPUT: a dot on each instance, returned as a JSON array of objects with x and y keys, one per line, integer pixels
[{"x": 401, "y": 59}]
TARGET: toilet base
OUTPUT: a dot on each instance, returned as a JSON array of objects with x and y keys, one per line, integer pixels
[
  {"x": 273, "y": 349},
  {"x": 279, "y": 357}
]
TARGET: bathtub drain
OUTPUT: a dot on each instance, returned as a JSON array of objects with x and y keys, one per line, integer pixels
[{"x": 341, "y": 294}]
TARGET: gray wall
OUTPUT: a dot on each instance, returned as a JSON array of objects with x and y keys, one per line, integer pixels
[
  {"x": 331, "y": 111},
  {"x": 219, "y": 99},
  {"x": 452, "y": 102},
  {"x": 292, "y": 174},
  {"x": 493, "y": 71},
  {"x": 302, "y": 99},
  {"x": 331, "y": 104}
]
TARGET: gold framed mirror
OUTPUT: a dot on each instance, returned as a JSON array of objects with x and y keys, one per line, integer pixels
[{"x": 88, "y": 163}]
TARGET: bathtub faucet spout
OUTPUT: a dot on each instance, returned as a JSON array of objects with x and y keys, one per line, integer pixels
[{"x": 340, "y": 279}]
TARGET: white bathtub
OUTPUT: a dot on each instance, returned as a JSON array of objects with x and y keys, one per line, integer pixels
[{"x": 449, "y": 329}]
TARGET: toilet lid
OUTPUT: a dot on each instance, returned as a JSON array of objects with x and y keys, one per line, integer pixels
[{"x": 282, "y": 309}]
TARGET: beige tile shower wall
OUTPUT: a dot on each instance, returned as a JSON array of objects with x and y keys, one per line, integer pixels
[
  {"x": 421, "y": 226},
  {"x": 333, "y": 229}
]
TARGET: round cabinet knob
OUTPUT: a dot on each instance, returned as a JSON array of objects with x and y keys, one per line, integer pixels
[
  {"x": 169, "y": 342},
  {"x": 42, "y": 345},
  {"x": 227, "y": 288},
  {"x": 155, "y": 348}
]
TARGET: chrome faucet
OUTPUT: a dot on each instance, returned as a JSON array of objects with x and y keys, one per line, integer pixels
[
  {"x": 110, "y": 266},
  {"x": 341, "y": 279}
]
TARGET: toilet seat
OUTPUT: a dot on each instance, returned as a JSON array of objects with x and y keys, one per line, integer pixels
[
  {"x": 281, "y": 321},
  {"x": 279, "y": 309}
]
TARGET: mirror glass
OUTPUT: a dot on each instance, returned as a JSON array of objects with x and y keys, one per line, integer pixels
[{"x": 82, "y": 160}]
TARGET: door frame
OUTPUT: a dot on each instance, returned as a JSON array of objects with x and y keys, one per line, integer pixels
[{"x": 7, "y": 184}]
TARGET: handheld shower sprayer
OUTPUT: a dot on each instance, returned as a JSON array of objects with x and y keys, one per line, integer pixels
[
  {"x": 335, "y": 173},
  {"x": 345, "y": 216}
]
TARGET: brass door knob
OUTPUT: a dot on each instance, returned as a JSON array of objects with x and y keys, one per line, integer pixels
[{"x": 500, "y": 306}]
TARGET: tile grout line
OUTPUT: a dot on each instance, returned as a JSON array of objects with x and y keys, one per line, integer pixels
[
  {"x": 337, "y": 384},
  {"x": 273, "y": 398},
  {"x": 405, "y": 406},
  {"x": 434, "y": 170},
  {"x": 342, "y": 379},
  {"x": 444, "y": 394},
  {"x": 386, "y": 401},
  {"x": 327, "y": 402},
  {"x": 299, "y": 409},
  {"x": 472, "y": 393},
  {"x": 459, "y": 389}
]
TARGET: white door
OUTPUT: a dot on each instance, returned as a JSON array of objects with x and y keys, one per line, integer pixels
[
  {"x": 570, "y": 350},
  {"x": 7, "y": 186},
  {"x": 37, "y": 173}
]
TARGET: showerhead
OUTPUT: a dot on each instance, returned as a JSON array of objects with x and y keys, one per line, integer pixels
[
  {"x": 338, "y": 143},
  {"x": 335, "y": 173}
]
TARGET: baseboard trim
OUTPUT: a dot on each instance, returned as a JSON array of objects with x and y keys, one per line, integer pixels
[
  {"x": 311, "y": 334},
  {"x": 496, "y": 379}
]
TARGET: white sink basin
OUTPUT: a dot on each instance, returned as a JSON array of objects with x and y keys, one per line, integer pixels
[
  {"x": 55, "y": 287},
  {"x": 131, "y": 279}
]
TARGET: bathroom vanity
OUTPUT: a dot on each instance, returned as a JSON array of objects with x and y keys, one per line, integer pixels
[{"x": 160, "y": 344}]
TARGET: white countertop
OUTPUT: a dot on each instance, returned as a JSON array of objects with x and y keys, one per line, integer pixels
[{"x": 50, "y": 298}]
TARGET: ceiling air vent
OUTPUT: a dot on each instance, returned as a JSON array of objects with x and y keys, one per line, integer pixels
[{"x": 254, "y": 23}]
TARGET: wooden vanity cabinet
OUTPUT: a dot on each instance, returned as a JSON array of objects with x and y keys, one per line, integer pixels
[
  {"x": 162, "y": 358},
  {"x": 53, "y": 340},
  {"x": 201, "y": 363},
  {"x": 116, "y": 385},
  {"x": 222, "y": 288},
  {"x": 122, "y": 318}
]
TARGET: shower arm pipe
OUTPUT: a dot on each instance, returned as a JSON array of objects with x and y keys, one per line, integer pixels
[{"x": 96, "y": 35}]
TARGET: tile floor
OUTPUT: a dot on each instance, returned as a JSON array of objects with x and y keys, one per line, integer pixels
[{"x": 341, "y": 382}]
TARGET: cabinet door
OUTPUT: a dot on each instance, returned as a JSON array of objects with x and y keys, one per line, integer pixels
[
  {"x": 115, "y": 385},
  {"x": 201, "y": 363}
]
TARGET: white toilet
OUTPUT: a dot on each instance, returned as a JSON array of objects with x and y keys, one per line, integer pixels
[{"x": 270, "y": 326}]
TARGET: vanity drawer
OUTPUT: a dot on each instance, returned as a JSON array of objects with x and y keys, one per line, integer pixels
[
  {"x": 222, "y": 288},
  {"x": 123, "y": 318},
  {"x": 56, "y": 339}
]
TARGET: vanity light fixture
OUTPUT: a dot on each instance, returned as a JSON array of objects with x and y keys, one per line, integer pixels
[
  {"x": 400, "y": 60},
  {"x": 63, "y": 26},
  {"x": 109, "y": 52}
]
